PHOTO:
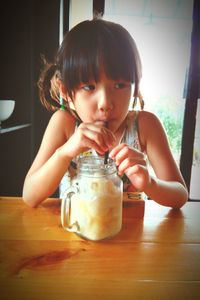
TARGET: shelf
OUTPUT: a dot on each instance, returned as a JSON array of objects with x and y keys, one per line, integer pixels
[{"x": 13, "y": 128}]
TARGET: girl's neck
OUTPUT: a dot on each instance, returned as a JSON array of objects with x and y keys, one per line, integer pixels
[{"x": 120, "y": 132}]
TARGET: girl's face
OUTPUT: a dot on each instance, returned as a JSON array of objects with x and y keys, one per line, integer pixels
[{"x": 106, "y": 100}]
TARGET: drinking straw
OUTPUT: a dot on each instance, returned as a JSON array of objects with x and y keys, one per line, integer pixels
[
  {"x": 106, "y": 157},
  {"x": 107, "y": 152}
]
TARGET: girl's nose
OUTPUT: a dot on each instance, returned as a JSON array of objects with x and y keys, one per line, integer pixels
[{"x": 105, "y": 103}]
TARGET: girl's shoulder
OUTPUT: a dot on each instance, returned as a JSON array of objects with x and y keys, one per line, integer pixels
[
  {"x": 62, "y": 122},
  {"x": 62, "y": 115},
  {"x": 146, "y": 117},
  {"x": 142, "y": 118},
  {"x": 149, "y": 126}
]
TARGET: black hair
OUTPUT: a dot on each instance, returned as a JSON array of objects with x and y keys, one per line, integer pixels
[{"x": 86, "y": 49}]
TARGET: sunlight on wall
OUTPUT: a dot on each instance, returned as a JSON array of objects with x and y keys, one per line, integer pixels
[
  {"x": 162, "y": 33},
  {"x": 80, "y": 11}
]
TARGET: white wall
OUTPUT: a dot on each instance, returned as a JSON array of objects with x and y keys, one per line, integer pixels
[{"x": 79, "y": 11}]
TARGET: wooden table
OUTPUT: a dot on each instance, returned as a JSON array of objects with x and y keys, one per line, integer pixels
[{"x": 153, "y": 257}]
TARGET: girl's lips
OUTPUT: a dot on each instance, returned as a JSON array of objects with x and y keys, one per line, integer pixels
[{"x": 102, "y": 120}]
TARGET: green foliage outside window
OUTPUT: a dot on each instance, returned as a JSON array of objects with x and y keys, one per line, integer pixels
[{"x": 171, "y": 116}]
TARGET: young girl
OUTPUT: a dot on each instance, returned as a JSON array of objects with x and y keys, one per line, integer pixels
[{"x": 97, "y": 72}]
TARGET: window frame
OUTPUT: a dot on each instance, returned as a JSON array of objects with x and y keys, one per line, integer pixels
[{"x": 192, "y": 95}]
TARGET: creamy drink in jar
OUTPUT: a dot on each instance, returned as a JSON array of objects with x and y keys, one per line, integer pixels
[{"x": 92, "y": 207}]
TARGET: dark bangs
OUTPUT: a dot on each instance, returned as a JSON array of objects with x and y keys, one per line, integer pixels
[{"x": 93, "y": 46}]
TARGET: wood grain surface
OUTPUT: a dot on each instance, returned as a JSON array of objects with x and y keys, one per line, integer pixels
[{"x": 156, "y": 255}]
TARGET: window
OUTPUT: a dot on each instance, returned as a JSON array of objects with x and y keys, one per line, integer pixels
[{"x": 162, "y": 31}]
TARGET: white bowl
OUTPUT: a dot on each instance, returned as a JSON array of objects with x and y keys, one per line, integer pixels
[{"x": 6, "y": 109}]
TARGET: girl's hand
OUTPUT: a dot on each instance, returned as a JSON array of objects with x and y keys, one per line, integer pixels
[
  {"x": 132, "y": 162},
  {"x": 89, "y": 136}
]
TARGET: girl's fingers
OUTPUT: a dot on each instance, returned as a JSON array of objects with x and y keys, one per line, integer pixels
[
  {"x": 107, "y": 135},
  {"x": 94, "y": 138},
  {"x": 79, "y": 143},
  {"x": 132, "y": 170},
  {"x": 139, "y": 177},
  {"x": 129, "y": 162},
  {"x": 99, "y": 137},
  {"x": 116, "y": 150},
  {"x": 124, "y": 155}
]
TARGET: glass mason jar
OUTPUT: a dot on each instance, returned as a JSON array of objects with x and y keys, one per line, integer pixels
[{"x": 92, "y": 206}]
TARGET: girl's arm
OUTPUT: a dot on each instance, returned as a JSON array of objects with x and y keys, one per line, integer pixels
[
  {"x": 167, "y": 187},
  {"x": 49, "y": 165},
  {"x": 59, "y": 146}
]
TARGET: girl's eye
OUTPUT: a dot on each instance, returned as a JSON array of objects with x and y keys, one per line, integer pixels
[
  {"x": 120, "y": 85},
  {"x": 88, "y": 87}
]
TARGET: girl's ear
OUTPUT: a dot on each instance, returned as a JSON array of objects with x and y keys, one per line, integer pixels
[{"x": 62, "y": 90}]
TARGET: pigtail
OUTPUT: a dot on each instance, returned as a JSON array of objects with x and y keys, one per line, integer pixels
[
  {"x": 48, "y": 86},
  {"x": 141, "y": 100},
  {"x": 138, "y": 98}
]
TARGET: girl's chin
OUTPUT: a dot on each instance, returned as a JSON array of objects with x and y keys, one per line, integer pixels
[{"x": 113, "y": 126}]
